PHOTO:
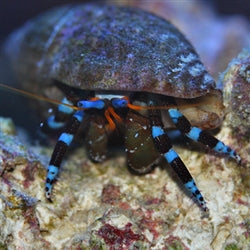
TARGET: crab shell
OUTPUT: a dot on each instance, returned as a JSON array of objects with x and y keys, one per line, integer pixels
[{"x": 115, "y": 49}]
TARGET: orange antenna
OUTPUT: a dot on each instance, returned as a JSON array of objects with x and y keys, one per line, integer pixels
[
  {"x": 35, "y": 96},
  {"x": 164, "y": 107},
  {"x": 138, "y": 107},
  {"x": 129, "y": 105}
]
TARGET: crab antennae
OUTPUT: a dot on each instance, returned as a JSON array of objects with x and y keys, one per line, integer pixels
[
  {"x": 138, "y": 107},
  {"x": 56, "y": 102},
  {"x": 35, "y": 96},
  {"x": 161, "y": 107},
  {"x": 164, "y": 107}
]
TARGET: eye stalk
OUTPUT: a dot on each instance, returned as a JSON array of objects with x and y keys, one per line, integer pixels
[
  {"x": 97, "y": 104},
  {"x": 119, "y": 103}
]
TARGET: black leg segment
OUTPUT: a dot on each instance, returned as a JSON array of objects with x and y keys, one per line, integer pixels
[
  {"x": 199, "y": 135},
  {"x": 164, "y": 146},
  {"x": 60, "y": 149}
]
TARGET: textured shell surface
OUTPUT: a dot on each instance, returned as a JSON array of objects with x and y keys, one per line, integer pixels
[{"x": 106, "y": 47}]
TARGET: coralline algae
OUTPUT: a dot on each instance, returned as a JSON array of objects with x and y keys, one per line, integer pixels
[{"x": 236, "y": 84}]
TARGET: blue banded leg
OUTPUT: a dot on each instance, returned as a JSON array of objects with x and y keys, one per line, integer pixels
[
  {"x": 199, "y": 135},
  {"x": 164, "y": 146},
  {"x": 64, "y": 141},
  {"x": 60, "y": 149},
  {"x": 62, "y": 114}
]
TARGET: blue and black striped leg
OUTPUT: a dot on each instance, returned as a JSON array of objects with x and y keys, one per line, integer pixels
[
  {"x": 64, "y": 141},
  {"x": 164, "y": 146},
  {"x": 62, "y": 114},
  {"x": 60, "y": 149},
  {"x": 199, "y": 135}
]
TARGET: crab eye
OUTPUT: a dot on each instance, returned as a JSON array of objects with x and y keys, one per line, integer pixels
[{"x": 119, "y": 103}]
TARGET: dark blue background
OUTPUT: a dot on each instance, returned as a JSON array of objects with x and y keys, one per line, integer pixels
[{"x": 13, "y": 13}]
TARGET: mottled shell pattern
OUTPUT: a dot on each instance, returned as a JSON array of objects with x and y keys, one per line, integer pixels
[{"x": 111, "y": 48}]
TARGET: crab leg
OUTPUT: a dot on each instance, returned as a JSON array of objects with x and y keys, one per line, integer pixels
[
  {"x": 65, "y": 140},
  {"x": 199, "y": 135},
  {"x": 164, "y": 146},
  {"x": 60, "y": 149},
  {"x": 57, "y": 121}
]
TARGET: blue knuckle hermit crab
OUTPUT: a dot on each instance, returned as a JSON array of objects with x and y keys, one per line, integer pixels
[{"x": 123, "y": 71}]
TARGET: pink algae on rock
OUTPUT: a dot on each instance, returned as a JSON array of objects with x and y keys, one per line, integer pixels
[
  {"x": 111, "y": 194},
  {"x": 19, "y": 193},
  {"x": 118, "y": 239}
]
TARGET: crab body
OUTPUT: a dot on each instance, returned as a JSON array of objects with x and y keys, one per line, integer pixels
[{"x": 120, "y": 66}]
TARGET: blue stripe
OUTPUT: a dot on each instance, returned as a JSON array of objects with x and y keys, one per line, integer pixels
[
  {"x": 53, "y": 124},
  {"x": 170, "y": 155},
  {"x": 79, "y": 115},
  {"x": 198, "y": 196},
  {"x": 49, "y": 186},
  {"x": 156, "y": 131},
  {"x": 194, "y": 133},
  {"x": 66, "y": 138},
  {"x": 191, "y": 186},
  {"x": 174, "y": 114},
  {"x": 52, "y": 172},
  {"x": 221, "y": 147},
  {"x": 65, "y": 109}
]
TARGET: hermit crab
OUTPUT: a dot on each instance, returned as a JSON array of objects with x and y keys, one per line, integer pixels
[{"x": 124, "y": 72}]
